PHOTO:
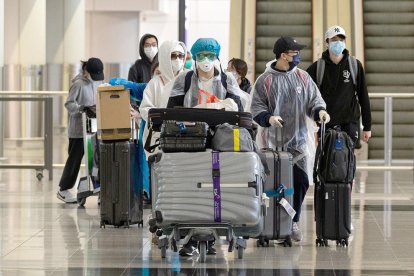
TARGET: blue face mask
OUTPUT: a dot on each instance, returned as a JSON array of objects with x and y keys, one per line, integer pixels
[
  {"x": 295, "y": 62},
  {"x": 337, "y": 47}
]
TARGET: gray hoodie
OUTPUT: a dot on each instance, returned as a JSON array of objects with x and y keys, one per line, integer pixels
[{"x": 81, "y": 93}]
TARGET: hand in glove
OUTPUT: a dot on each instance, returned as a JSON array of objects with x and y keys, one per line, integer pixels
[
  {"x": 324, "y": 117},
  {"x": 276, "y": 121}
]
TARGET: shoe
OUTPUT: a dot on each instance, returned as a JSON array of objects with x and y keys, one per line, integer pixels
[
  {"x": 296, "y": 233},
  {"x": 188, "y": 250},
  {"x": 211, "y": 250},
  {"x": 66, "y": 196}
]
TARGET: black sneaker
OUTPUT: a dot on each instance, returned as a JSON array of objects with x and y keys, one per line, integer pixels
[
  {"x": 211, "y": 250},
  {"x": 188, "y": 250}
]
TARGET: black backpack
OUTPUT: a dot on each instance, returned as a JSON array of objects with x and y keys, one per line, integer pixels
[{"x": 335, "y": 159}]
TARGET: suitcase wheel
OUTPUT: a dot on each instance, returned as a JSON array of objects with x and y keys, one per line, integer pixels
[
  {"x": 102, "y": 224},
  {"x": 342, "y": 242},
  {"x": 141, "y": 224},
  {"x": 321, "y": 242},
  {"x": 287, "y": 242}
]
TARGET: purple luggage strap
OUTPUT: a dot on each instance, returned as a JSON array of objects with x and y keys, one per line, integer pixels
[{"x": 216, "y": 185}]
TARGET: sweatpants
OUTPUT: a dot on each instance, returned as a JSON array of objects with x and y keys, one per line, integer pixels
[
  {"x": 72, "y": 166},
  {"x": 300, "y": 186}
]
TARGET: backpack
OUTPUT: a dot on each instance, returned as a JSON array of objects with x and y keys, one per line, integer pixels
[
  {"x": 353, "y": 68},
  {"x": 189, "y": 75},
  {"x": 334, "y": 160}
]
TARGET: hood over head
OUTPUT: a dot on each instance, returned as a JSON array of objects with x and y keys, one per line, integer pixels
[
  {"x": 141, "y": 46},
  {"x": 164, "y": 56}
]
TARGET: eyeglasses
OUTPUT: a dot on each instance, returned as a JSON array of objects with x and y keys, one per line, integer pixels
[
  {"x": 146, "y": 45},
  {"x": 202, "y": 56},
  {"x": 292, "y": 52},
  {"x": 175, "y": 56}
]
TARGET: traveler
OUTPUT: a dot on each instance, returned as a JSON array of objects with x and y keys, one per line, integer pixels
[
  {"x": 187, "y": 85},
  {"x": 82, "y": 93},
  {"x": 140, "y": 71},
  {"x": 171, "y": 62},
  {"x": 345, "y": 100},
  {"x": 285, "y": 92},
  {"x": 189, "y": 61},
  {"x": 238, "y": 68}
]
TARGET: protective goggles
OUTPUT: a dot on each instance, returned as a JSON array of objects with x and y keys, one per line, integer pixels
[{"x": 209, "y": 56}]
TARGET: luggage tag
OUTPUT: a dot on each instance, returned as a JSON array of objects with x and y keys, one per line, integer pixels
[
  {"x": 285, "y": 204},
  {"x": 181, "y": 126}
]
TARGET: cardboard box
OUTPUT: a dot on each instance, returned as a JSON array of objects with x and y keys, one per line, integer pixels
[{"x": 112, "y": 112}]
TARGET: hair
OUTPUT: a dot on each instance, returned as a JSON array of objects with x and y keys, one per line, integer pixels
[{"x": 240, "y": 66}]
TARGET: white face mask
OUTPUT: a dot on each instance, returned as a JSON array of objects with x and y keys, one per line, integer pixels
[
  {"x": 177, "y": 65},
  {"x": 150, "y": 52},
  {"x": 205, "y": 65}
]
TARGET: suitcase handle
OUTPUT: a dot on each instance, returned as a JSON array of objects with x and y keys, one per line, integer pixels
[
  {"x": 279, "y": 132},
  {"x": 323, "y": 128}
]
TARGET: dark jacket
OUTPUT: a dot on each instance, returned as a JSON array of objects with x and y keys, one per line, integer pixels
[
  {"x": 140, "y": 71},
  {"x": 337, "y": 90},
  {"x": 245, "y": 85}
]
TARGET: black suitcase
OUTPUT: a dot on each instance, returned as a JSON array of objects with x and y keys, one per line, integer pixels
[
  {"x": 333, "y": 175},
  {"x": 121, "y": 196},
  {"x": 212, "y": 117},
  {"x": 278, "y": 186},
  {"x": 183, "y": 136}
]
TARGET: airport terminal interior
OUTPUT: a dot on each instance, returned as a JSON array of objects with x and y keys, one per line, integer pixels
[{"x": 41, "y": 235}]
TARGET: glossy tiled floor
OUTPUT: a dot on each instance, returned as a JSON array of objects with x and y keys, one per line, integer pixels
[{"x": 39, "y": 235}]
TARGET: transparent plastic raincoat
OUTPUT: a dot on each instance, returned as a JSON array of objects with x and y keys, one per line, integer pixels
[{"x": 296, "y": 99}]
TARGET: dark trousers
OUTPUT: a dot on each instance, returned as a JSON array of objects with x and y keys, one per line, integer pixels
[
  {"x": 72, "y": 166},
  {"x": 300, "y": 186}
]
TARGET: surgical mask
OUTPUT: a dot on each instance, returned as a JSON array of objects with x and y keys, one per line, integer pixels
[
  {"x": 177, "y": 65},
  {"x": 150, "y": 52},
  {"x": 205, "y": 65},
  {"x": 295, "y": 62},
  {"x": 337, "y": 47},
  {"x": 188, "y": 64},
  {"x": 236, "y": 76}
]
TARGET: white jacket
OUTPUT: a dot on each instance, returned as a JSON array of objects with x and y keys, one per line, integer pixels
[{"x": 158, "y": 90}]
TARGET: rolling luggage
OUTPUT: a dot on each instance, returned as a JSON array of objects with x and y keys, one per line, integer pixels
[
  {"x": 183, "y": 189},
  {"x": 183, "y": 136},
  {"x": 333, "y": 175},
  {"x": 121, "y": 194},
  {"x": 279, "y": 187}
]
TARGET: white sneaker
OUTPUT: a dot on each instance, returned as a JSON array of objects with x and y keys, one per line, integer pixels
[
  {"x": 296, "y": 233},
  {"x": 66, "y": 196}
]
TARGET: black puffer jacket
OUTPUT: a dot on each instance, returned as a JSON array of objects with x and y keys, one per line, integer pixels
[
  {"x": 245, "y": 85},
  {"x": 140, "y": 71}
]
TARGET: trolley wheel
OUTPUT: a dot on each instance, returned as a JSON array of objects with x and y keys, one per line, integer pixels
[
  {"x": 325, "y": 242},
  {"x": 240, "y": 251},
  {"x": 163, "y": 251},
  {"x": 141, "y": 224},
  {"x": 289, "y": 241},
  {"x": 81, "y": 201},
  {"x": 102, "y": 224},
  {"x": 267, "y": 242},
  {"x": 203, "y": 251},
  {"x": 258, "y": 243},
  {"x": 320, "y": 242},
  {"x": 126, "y": 224},
  {"x": 39, "y": 174}
]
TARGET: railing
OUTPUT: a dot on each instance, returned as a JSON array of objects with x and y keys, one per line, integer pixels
[
  {"x": 32, "y": 96},
  {"x": 388, "y": 97}
]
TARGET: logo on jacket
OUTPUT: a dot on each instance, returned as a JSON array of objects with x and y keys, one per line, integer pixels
[
  {"x": 346, "y": 75},
  {"x": 299, "y": 89}
]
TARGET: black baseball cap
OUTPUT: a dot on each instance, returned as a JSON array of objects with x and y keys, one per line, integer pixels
[
  {"x": 94, "y": 66},
  {"x": 286, "y": 43}
]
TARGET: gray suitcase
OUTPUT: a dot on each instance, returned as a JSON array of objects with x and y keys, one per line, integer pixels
[
  {"x": 182, "y": 190},
  {"x": 121, "y": 196},
  {"x": 277, "y": 222}
]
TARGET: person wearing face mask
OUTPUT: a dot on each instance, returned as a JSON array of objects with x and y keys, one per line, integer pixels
[
  {"x": 82, "y": 93},
  {"x": 238, "y": 68},
  {"x": 346, "y": 101},
  {"x": 207, "y": 77},
  {"x": 285, "y": 92},
  {"x": 189, "y": 61},
  {"x": 140, "y": 71},
  {"x": 171, "y": 63}
]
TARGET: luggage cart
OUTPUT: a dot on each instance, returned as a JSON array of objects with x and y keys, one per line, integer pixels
[{"x": 88, "y": 185}]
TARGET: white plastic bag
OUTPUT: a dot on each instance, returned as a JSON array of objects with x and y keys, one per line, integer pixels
[{"x": 226, "y": 104}]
